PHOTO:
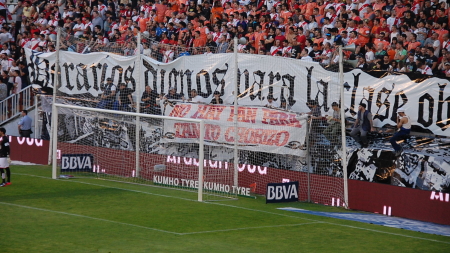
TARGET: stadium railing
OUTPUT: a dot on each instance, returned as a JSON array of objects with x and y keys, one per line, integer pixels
[{"x": 11, "y": 106}]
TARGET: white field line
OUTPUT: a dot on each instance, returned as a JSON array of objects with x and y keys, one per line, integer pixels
[
  {"x": 245, "y": 228},
  {"x": 249, "y": 209},
  {"x": 88, "y": 217},
  {"x": 149, "y": 228}
]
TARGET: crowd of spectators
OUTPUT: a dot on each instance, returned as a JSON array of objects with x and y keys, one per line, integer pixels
[{"x": 394, "y": 35}]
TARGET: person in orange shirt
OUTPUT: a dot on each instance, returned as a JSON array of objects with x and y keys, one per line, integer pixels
[
  {"x": 378, "y": 5},
  {"x": 381, "y": 39},
  {"x": 363, "y": 34},
  {"x": 175, "y": 5},
  {"x": 195, "y": 23},
  {"x": 317, "y": 16},
  {"x": 169, "y": 11},
  {"x": 379, "y": 16},
  {"x": 143, "y": 21},
  {"x": 353, "y": 38},
  {"x": 413, "y": 43},
  {"x": 318, "y": 39},
  {"x": 439, "y": 29},
  {"x": 391, "y": 53},
  {"x": 259, "y": 35},
  {"x": 123, "y": 25},
  {"x": 255, "y": 12},
  {"x": 288, "y": 25},
  {"x": 216, "y": 11},
  {"x": 251, "y": 36},
  {"x": 198, "y": 41},
  {"x": 309, "y": 9},
  {"x": 339, "y": 25},
  {"x": 373, "y": 31},
  {"x": 285, "y": 13},
  {"x": 302, "y": 7},
  {"x": 399, "y": 8},
  {"x": 202, "y": 29},
  {"x": 161, "y": 9},
  {"x": 228, "y": 10},
  {"x": 321, "y": 6},
  {"x": 369, "y": 15}
]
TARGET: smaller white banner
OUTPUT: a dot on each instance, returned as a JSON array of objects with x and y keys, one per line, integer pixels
[{"x": 260, "y": 129}]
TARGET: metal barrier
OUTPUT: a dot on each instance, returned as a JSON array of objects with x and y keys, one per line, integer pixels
[{"x": 11, "y": 106}]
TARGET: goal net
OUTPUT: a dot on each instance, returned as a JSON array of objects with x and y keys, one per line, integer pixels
[{"x": 103, "y": 144}]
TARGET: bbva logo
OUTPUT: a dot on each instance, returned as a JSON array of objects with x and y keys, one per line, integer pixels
[
  {"x": 283, "y": 192},
  {"x": 77, "y": 162}
]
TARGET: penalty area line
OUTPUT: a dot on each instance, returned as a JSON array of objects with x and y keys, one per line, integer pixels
[
  {"x": 92, "y": 218},
  {"x": 247, "y": 228}
]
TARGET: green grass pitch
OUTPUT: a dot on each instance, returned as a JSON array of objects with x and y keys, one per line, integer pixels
[{"x": 39, "y": 214}]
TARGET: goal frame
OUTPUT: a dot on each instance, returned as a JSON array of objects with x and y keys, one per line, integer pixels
[{"x": 54, "y": 128}]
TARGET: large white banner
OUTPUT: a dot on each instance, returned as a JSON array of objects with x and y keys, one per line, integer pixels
[
  {"x": 426, "y": 102},
  {"x": 260, "y": 129}
]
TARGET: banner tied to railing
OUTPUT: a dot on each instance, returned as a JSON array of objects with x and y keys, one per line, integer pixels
[{"x": 290, "y": 80}]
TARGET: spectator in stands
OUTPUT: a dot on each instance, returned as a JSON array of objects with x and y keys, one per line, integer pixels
[
  {"x": 125, "y": 99},
  {"x": 17, "y": 82},
  {"x": 404, "y": 129},
  {"x": 362, "y": 126},
  {"x": 305, "y": 55},
  {"x": 173, "y": 95},
  {"x": 108, "y": 96},
  {"x": 195, "y": 98},
  {"x": 315, "y": 116},
  {"x": 423, "y": 68},
  {"x": 333, "y": 130},
  {"x": 222, "y": 45},
  {"x": 446, "y": 69},
  {"x": 271, "y": 103},
  {"x": 266, "y": 21},
  {"x": 149, "y": 98},
  {"x": 217, "y": 100},
  {"x": 361, "y": 64}
]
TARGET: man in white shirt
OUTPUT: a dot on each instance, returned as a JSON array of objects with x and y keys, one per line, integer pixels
[
  {"x": 53, "y": 21},
  {"x": 423, "y": 68},
  {"x": 41, "y": 20},
  {"x": 326, "y": 54},
  {"x": 67, "y": 13},
  {"x": 195, "y": 98},
  {"x": 370, "y": 56},
  {"x": 101, "y": 42},
  {"x": 305, "y": 55},
  {"x": 5, "y": 36},
  {"x": 17, "y": 81},
  {"x": 34, "y": 42},
  {"x": 78, "y": 28},
  {"x": 446, "y": 41},
  {"x": 168, "y": 54},
  {"x": 5, "y": 62}
]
